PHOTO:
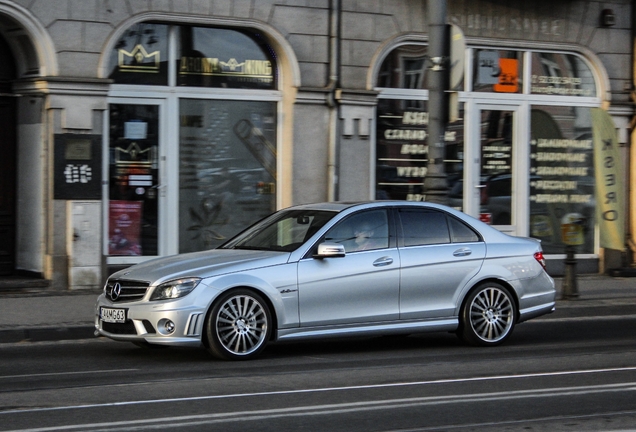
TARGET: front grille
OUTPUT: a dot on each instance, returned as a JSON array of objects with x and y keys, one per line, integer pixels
[
  {"x": 128, "y": 290},
  {"x": 125, "y": 328}
]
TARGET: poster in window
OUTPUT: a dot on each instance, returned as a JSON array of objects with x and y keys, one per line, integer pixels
[{"x": 124, "y": 228}]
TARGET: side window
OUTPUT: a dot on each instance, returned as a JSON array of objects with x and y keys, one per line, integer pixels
[
  {"x": 364, "y": 231},
  {"x": 424, "y": 228},
  {"x": 461, "y": 233}
]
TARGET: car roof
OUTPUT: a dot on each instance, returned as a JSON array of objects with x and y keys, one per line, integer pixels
[
  {"x": 339, "y": 206},
  {"x": 485, "y": 230}
]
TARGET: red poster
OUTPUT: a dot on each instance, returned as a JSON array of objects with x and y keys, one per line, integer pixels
[{"x": 124, "y": 227}]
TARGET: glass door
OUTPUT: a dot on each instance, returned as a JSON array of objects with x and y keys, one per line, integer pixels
[
  {"x": 133, "y": 209},
  {"x": 497, "y": 186}
]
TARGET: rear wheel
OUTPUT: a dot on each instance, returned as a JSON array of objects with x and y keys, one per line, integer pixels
[
  {"x": 239, "y": 325},
  {"x": 488, "y": 315}
]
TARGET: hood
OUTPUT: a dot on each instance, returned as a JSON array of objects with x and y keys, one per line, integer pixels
[{"x": 201, "y": 264}]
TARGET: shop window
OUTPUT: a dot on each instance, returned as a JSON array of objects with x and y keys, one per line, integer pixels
[
  {"x": 561, "y": 176},
  {"x": 561, "y": 74},
  {"x": 405, "y": 67},
  {"x": 402, "y": 150},
  {"x": 497, "y": 71},
  {"x": 227, "y": 169},
  {"x": 140, "y": 56}
]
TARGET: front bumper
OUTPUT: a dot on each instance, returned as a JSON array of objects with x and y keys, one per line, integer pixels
[{"x": 151, "y": 322}]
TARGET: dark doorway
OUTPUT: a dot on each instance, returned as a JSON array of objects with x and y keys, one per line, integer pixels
[{"x": 8, "y": 121}]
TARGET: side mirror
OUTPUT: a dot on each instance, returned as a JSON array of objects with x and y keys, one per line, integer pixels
[{"x": 330, "y": 250}]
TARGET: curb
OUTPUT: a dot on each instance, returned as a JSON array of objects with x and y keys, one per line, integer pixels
[{"x": 47, "y": 334}]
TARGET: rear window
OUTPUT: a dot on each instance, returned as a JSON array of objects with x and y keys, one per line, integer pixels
[
  {"x": 462, "y": 233},
  {"x": 424, "y": 228},
  {"x": 430, "y": 227}
]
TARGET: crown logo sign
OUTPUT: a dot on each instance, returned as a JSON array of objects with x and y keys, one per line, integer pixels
[
  {"x": 232, "y": 65},
  {"x": 139, "y": 60}
]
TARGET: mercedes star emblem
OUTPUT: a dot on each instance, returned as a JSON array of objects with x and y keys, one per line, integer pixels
[{"x": 116, "y": 291}]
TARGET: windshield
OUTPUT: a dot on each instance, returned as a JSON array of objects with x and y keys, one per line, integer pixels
[{"x": 284, "y": 231}]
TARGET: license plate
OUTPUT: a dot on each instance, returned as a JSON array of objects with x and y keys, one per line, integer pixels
[{"x": 113, "y": 315}]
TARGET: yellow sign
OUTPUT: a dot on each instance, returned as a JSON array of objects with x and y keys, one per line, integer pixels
[
  {"x": 139, "y": 60},
  {"x": 610, "y": 189}
]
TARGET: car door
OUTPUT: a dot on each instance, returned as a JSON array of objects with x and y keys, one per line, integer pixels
[
  {"x": 439, "y": 255},
  {"x": 362, "y": 286}
]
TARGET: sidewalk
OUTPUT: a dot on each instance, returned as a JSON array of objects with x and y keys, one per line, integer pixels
[{"x": 52, "y": 316}]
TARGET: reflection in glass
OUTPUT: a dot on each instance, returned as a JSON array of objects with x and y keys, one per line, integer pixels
[
  {"x": 133, "y": 179},
  {"x": 405, "y": 67},
  {"x": 227, "y": 169}
]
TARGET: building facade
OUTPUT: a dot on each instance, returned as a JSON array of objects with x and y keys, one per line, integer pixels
[{"x": 135, "y": 129}]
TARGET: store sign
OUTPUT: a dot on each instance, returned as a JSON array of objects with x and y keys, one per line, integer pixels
[
  {"x": 219, "y": 71},
  {"x": 77, "y": 161},
  {"x": 508, "y": 81},
  {"x": 558, "y": 166},
  {"x": 488, "y": 67},
  {"x": 609, "y": 181},
  {"x": 501, "y": 73},
  {"x": 139, "y": 60},
  {"x": 561, "y": 74}
]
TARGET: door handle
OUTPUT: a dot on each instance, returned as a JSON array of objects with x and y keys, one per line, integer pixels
[
  {"x": 462, "y": 252},
  {"x": 383, "y": 261}
]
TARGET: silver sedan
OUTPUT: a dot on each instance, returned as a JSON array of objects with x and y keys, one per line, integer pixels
[{"x": 333, "y": 269}]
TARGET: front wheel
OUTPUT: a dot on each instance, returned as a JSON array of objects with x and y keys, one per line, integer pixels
[
  {"x": 238, "y": 326},
  {"x": 488, "y": 315}
]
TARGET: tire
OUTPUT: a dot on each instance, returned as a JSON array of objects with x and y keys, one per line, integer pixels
[
  {"x": 238, "y": 326},
  {"x": 488, "y": 316}
]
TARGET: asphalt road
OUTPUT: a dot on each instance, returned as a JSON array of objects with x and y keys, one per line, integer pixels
[{"x": 557, "y": 373}]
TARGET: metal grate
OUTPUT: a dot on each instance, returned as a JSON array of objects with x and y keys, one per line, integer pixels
[
  {"x": 126, "y": 328},
  {"x": 120, "y": 290},
  {"x": 149, "y": 328}
]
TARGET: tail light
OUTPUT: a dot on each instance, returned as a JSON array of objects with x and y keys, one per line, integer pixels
[{"x": 540, "y": 259}]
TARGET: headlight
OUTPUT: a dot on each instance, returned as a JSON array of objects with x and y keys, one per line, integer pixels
[{"x": 174, "y": 289}]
